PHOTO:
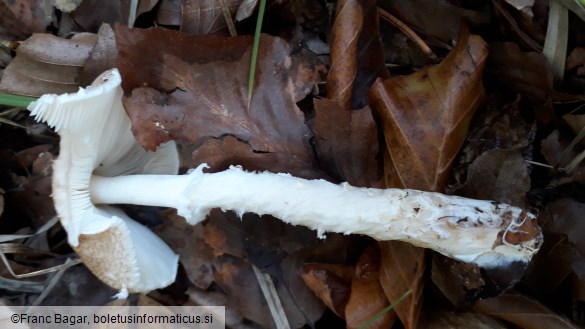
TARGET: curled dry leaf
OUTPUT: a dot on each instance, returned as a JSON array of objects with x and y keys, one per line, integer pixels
[
  {"x": 367, "y": 297},
  {"x": 208, "y": 77},
  {"x": 331, "y": 283},
  {"x": 425, "y": 119},
  {"x": 356, "y": 53},
  {"x": 46, "y": 64},
  {"x": 426, "y": 116},
  {"x": 102, "y": 56},
  {"x": 343, "y": 57},
  {"x": 402, "y": 268}
]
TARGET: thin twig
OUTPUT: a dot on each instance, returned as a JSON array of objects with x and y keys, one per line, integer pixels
[
  {"x": 272, "y": 299},
  {"x": 228, "y": 17},
  {"x": 54, "y": 280},
  {"x": 408, "y": 32}
]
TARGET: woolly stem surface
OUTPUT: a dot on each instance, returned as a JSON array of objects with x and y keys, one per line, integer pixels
[{"x": 486, "y": 233}]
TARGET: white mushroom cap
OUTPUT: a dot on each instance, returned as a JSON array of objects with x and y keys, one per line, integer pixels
[{"x": 96, "y": 138}]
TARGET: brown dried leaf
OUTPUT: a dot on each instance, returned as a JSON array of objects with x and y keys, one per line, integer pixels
[
  {"x": 33, "y": 197},
  {"x": 347, "y": 143},
  {"x": 426, "y": 116},
  {"x": 278, "y": 249},
  {"x": 523, "y": 28},
  {"x": 356, "y": 56},
  {"x": 525, "y": 72},
  {"x": 566, "y": 217},
  {"x": 522, "y": 311},
  {"x": 27, "y": 157},
  {"x": 226, "y": 151},
  {"x": 553, "y": 264},
  {"x": 21, "y": 18},
  {"x": 223, "y": 235},
  {"x": 46, "y": 64},
  {"x": 553, "y": 149},
  {"x": 311, "y": 307},
  {"x": 209, "y": 97},
  {"x": 188, "y": 242},
  {"x": 223, "y": 152},
  {"x": 499, "y": 175},
  {"x": 102, "y": 57},
  {"x": 331, "y": 283},
  {"x": 237, "y": 279},
  {"x": 91, "y": 14},
  {"x": 169, "y": 12},
  {"x": 367, "y": 296},
  {"x": 464, "y": 283},
  {"x": 498, "y": 126},
  {"x": 459, "y": 282},
  {"x": 402, "y": 268},
  {"x": 576, "y": 60},
  {"x": 206, "y": 17}
]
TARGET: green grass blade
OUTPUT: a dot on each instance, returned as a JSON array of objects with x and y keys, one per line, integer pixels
[
  {"x": 255, "y": 50},
  {"x": 15, "y": 100},
  {"x": 385, "y": 310}
]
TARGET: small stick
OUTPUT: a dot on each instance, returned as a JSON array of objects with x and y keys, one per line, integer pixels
[{"x": 408, "y": 32}]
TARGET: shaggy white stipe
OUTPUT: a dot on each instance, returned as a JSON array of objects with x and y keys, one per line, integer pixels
[{"x": 464, "y": 229}]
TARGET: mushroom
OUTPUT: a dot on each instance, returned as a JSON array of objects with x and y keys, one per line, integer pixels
[
  {"x": 101, "y": 163},
  {"x": 96, "y": 139}
]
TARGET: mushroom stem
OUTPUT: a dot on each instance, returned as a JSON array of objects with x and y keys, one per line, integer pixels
[{"x": 486, "y": 233}]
